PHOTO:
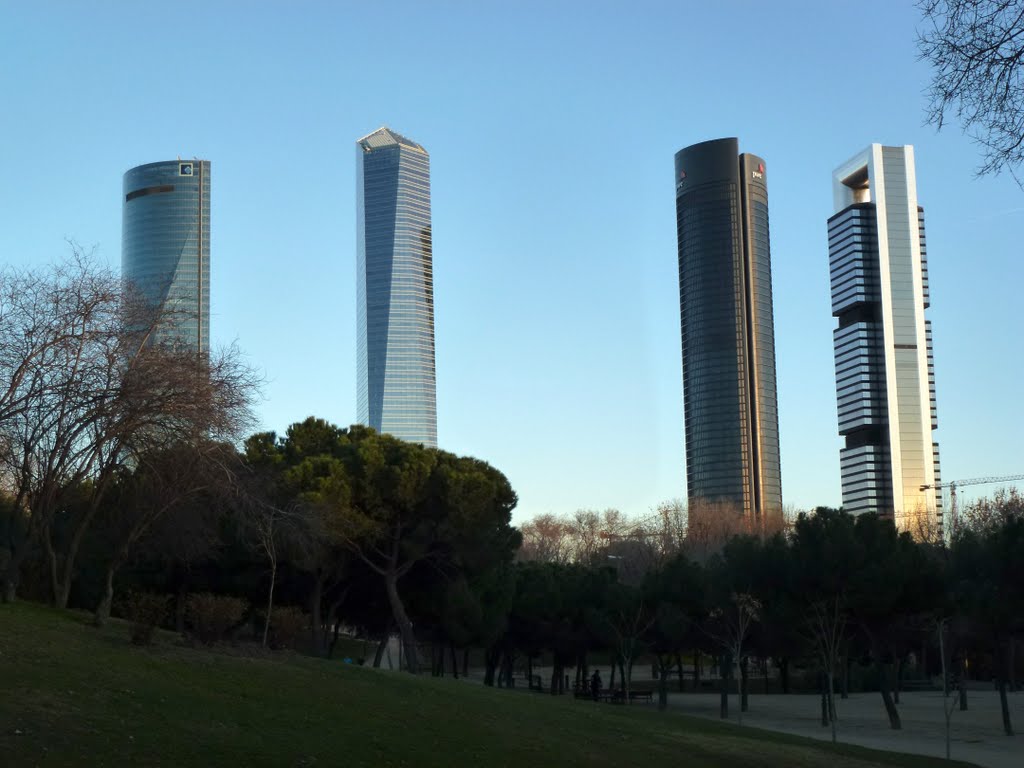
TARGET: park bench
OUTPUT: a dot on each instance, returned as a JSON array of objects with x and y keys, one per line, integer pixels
[
  {"x": 925, "y": 684},
  {"x": 618, "y": 696}
]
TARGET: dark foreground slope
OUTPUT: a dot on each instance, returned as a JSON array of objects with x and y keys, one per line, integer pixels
[{"x": 71, "y": 694}]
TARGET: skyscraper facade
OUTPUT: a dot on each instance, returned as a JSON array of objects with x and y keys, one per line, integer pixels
[
  {"x": 885, "y": 376},
  {"x": 165, "y": 246},
  {"x": 728, "y": 338},
  {"x": 396, "y": 386}
]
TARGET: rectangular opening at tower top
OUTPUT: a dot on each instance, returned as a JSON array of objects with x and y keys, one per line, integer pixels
[{"x": 858, "y": 183}]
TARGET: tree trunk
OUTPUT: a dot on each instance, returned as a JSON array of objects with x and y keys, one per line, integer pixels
[
  {"x": 316, "y": 620},
  {"x": 626, "y": 669},
  {"x": 179, "y": 606},
  {"x": 743, "y": 684},
  {"x": 508, "y": 668},
  {"x": 845, "y": 694},
  {"x": 491, "y": 657},
  {"x": 1011, "y": 667},
  {"x": 662, "y": 684},
  {"x": 946, "y": 710},
  {"x": 379, "y": 655},
  {"x": 270, "y": 600},
  {"x": 832, "y": 702},
  {"x": 898, "y": 668},
  {"x": 962, "y": 683},
  {"x": 724, "y": 668},
  {"x": 823, "y": 687},
  {"x": 64, "y": 589},
  {"x": 107, "y": 601},
  {"x": 1005, "y": 706},
  {"x": 10, "y": 584},
  {"x": 884, "y": 687},
  {"x": 335, "y": 633},
  {"x": 403, "y": 622},
  {"x": 51, "y": 562},
  {"x": 74, "y": 545},
  {"x": 18, "y": 551},
  {"x": 1001, "y": 681}
]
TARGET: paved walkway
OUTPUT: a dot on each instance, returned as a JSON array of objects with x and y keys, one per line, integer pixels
[{"x": 976, "y": 735}]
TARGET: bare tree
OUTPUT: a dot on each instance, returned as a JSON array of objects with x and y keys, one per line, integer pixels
[
  {"x": 711, "y": 524},
  {"x": 284, "y": 530},
  {"x": 586, "y": 528},
  {"x": 670, "y": 521},
  {"x": 625, "y": 621},
  {"x": 949, "y": 702},
  {"x": 163, "y": 481},
  {"x": 180, "y": 415},
  {"x": 57, "y": 335},
  {"x": 728, "y": 626},
  {"x": 190, "y": 535},
  {"x": 985, "y": 515},
  {"x": 86, "y": 393},
  {"x": 976, "y": 48},
  {"x": 826, "y": 620},
  {"x": 547, "y": 539}
]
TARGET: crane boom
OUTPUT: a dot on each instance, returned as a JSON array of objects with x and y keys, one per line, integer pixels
[
  {"x": 953, "y": 485},
  {"x": 980, "y": 481}
]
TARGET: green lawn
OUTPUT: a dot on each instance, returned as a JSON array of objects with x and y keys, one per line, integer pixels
[{"x": 71, "y": 694}]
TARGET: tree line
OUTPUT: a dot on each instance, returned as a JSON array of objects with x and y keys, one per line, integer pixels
[{"x": 129, "y": 470}]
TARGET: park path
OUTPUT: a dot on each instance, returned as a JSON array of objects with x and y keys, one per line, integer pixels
[{"x": 977, "y": 734}]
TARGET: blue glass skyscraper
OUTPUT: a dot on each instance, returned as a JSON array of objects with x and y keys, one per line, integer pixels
[
  {"x": 165, "y": 246},
  {"x": 396, "y": 387}
]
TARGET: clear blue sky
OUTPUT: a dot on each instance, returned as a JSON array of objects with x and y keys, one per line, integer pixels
[{"x": 551, "y": 128}]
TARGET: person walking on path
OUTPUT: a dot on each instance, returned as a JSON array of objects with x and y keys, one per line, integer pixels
[{"x": 595, "y": 684}]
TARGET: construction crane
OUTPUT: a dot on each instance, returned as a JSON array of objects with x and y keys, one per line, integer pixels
[{"x": 954, "y": 485}]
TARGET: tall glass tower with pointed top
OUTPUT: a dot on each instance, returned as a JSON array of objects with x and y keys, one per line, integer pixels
[
  {"x": 396, "y": 389},
  {"x": 165, "y": 246}
]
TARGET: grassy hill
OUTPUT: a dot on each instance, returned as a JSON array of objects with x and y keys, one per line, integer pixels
[{"x": 71, "y": 694}]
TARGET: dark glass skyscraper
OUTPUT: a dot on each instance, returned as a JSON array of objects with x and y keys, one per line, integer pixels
[
  {"x": 396, "y": 387},
  {"x": 165, "y": 245},
  {"x": 725, "y": 303}
]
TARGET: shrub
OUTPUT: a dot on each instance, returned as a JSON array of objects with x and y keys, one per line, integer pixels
[
  {"x": 145, "y": 612},
  {"x": 213, "y": 616},
  {"x": 286, "y": 624}
]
